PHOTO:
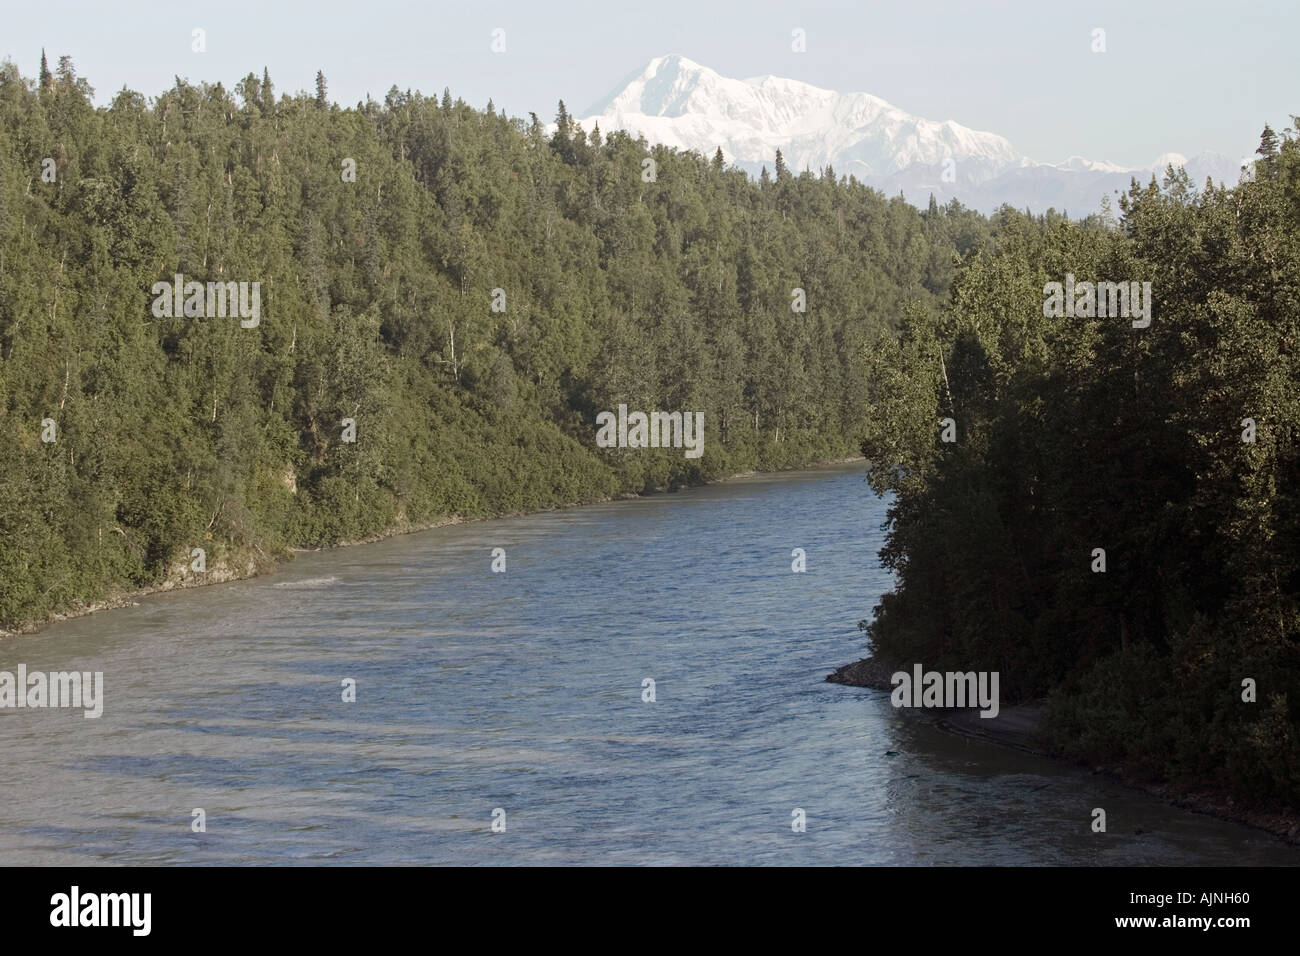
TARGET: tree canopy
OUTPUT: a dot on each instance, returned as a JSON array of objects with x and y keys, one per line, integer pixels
[
  {"x": 1117, "y": 524},
  {"x": 469, "y": 289}
]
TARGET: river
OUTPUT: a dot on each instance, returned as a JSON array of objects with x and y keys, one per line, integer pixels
[{"x": 523, "y": 691}]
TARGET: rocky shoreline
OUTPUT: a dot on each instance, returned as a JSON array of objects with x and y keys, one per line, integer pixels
[{"x": 1020, "y": 726}]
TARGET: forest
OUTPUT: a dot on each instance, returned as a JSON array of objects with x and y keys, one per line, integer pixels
[
  {"x": 447, "y": 300},
  {"x": 1115, "y": 525}
]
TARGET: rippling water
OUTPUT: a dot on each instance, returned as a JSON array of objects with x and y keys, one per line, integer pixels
[{"x": 523, "y": 691}]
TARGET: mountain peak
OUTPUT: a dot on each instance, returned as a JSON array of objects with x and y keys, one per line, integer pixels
[
  {"x": 678, "y": 102},
  {"x": 681, "y": 104},
  {"x": 672, "y": 61}
]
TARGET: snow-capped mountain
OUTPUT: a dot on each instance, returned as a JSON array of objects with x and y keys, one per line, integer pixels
[{"x": 679, "y": 103}]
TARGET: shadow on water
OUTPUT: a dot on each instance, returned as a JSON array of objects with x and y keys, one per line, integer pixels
[{"x": 523, "y": 691}]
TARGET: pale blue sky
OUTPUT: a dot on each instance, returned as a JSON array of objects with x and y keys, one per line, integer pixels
[{"x": 1176, "y": 76}]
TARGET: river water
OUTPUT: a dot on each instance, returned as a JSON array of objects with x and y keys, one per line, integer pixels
[{"x": 523, "y": 691}]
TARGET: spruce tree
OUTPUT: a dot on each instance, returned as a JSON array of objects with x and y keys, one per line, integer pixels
[
  {"x": 562, "y": 123},
  {"x": 1267, "y": 151}
]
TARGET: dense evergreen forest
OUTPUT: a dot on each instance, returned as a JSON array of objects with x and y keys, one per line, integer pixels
[
  {"x": 1172, "y": 448},
  {"x": 469, "y": 290}
]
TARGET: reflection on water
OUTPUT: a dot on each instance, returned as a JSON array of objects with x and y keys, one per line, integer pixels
[{"x": 523, "y": 691}]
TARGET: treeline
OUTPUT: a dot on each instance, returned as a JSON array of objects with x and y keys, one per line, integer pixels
[
  {"x": 470, "y": 290},
  {"x": 1117, "y": 524}
]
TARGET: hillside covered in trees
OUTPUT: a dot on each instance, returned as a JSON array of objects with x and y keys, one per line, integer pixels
[
  {"x": 1117, "y": 524},
  {"x": 469, "y": 290}
]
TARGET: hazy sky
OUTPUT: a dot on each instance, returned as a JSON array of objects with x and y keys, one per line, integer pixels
[{"x": 1180, "y": 76}]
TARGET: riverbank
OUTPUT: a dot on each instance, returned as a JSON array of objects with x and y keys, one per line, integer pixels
[
  {"x": 1016, "y": 726},
  {"x": 1020, "y": 727},
  {"x": 245, "y": 566}
]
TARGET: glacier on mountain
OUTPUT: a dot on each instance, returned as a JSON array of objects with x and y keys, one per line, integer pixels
[{"x": 678, "y": 103}]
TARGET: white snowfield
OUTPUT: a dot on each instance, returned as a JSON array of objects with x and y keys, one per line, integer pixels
[{"x": 678, "y": 103}]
